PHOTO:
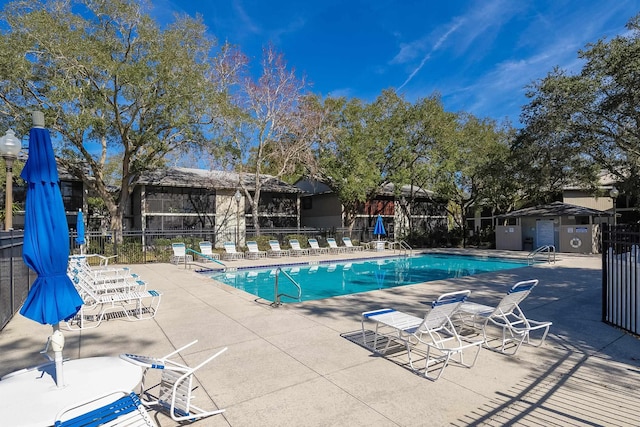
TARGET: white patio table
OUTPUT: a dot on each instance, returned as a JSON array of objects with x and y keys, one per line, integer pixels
[{"x": 30, "y": 398}]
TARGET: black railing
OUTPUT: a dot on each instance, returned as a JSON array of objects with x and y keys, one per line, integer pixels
[
  {"x": 140, "y": 247},
  {"x": 15, "y": 276},
  {"x": 621, "y": 276},
  {"x": 135, "y": 247}
]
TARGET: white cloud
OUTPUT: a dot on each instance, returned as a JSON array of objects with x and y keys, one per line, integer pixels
[{"x": 247, "y": 22}]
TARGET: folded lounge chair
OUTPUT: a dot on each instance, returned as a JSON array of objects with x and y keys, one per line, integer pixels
[
  {"x": 350, "y": 246},
  {"x": 174, "y": 392},
  {"x": 230, "y": 252},
  {"x": 276, "y": 251},
  {"x": 333, "y": 246},
  {"x": 296, "y": 250},
  {"x": 315, "y": 247},
  {"x": 433, "y": 337},
  {"x": 254, "y": 252},
  {"x": 508, "y": 317}
]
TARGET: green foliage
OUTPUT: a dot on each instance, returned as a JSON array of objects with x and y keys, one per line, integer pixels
[
  {"x": 105, "y": 74},
  {"x": 352, "y": 156},
  {"x": 579, "y": 124}
]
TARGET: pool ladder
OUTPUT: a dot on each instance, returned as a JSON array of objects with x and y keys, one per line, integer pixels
[
  {"x": 402, "y": 246},
  {"x": 276, "y": 300},
  {"x": 549, "y": 249}
]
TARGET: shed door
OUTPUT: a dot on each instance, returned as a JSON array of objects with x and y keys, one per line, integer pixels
[{"x": 544, "y": 233}]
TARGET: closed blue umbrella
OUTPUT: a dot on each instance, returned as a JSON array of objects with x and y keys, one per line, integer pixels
[
  {"x": 379, "y": 228},
  {"x": 80, "y": 230},
  {"x": 52, "y": 297}
]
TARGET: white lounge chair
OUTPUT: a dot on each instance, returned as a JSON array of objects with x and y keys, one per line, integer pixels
[
  {"x": 508, "y": 317},
  {"x": 174, "y": 392},
  {"x": 296, "y": 250},
  {"x": 333, "y": 246},
  {"x": 99, "y": 305},
  {"x": 315, "y": 247},
  {"x": 433, "y": 337},
  {"x": 276, "y": 251},
  {"x": 105, "y": 279},
  {"x": 206, "y": 251},
  {"x": 124, "y": 411},
  {"x": 350, "y": 246},
  {"x": 230, "y": 252},
  {"x": 108, "y": 283},
  {"x": 254, "y": 252},
  {"x": 180, "y": 254}
]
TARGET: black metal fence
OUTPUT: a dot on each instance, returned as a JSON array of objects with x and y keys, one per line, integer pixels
[
  {"x": 136, "y": 247},
  {"x": 621, "y": 276},
  {"x": 15, "y": 276},
  {"x": 139, "y": 247}
]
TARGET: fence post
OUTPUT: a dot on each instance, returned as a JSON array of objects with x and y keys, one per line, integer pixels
[{"x": 606, "y": 236}]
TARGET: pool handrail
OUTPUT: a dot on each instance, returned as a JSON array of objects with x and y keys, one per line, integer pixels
[
  {"x": 551, "y": 254},
  {"x": 276, "y": 300},
  {"x": 402, "y": 246}
]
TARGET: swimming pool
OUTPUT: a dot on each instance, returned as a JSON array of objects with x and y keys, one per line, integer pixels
[{"x": 326, "y": 280}]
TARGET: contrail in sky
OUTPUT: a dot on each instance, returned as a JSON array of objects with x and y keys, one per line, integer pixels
[{"x": 428, "y": 55}]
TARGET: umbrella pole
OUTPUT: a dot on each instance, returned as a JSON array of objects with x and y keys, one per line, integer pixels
[{"x": 57, "y": 344}]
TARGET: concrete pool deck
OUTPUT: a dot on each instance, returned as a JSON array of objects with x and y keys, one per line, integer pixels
[{"x": 298, "y": 365}]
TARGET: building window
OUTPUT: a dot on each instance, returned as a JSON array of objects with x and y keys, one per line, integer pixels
[
  {"x": 180, "y": 200},
  {"x": 71, "y": 195},
  {"x": 307, "y": 203}
]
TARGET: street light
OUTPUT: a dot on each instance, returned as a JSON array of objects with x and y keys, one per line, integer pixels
[
  {"x": 9, "y": 148},
  {"x": 237, "y": 196},
  {"x": 614, "y": 193}
]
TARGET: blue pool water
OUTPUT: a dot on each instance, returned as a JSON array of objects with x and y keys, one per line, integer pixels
[{"x": 328, "y": 280}]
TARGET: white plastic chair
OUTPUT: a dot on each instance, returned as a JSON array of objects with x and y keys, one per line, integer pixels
[
  {"x": 276, "y": 251},
  {"x": 230, "y": 252},
  {"x": 180, "y": 253},
  {"x": 124, "y": 411},
  {"x": 296, "y": 249},
  {"x": 350, "y": 246},
  {"x": 206, "y": 251},
  {"x": 175, "y": 387},
  {"x": 253, "y": 251},
  {"x": 333, "y": 246},
  {"x": 433, "y": 337},
  {"x": 507, "y": 316},
  {"x": 315, "y": 247}
]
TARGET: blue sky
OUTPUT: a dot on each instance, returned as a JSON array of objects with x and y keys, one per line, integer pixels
[{"x": 479, "y": 55}]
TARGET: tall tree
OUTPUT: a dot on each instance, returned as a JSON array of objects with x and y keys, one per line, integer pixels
[
  {"x": 464, "y": 163},
  {"x": 275, "y": 125},
  {"x": 412, "y": 159},
  {"x": 351, "y": 155},
  {"x": 590, "y": 120},
  {"x": 111, "y": 82}
]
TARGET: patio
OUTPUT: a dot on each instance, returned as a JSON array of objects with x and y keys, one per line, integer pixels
[{"x": 295, "y": 365}]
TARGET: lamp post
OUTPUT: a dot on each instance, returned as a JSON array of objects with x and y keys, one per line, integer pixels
[
  {"x": 614, "y": 193},
  {"x": 237, "y": 196},
  {"x": 9, "y": 149}
]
